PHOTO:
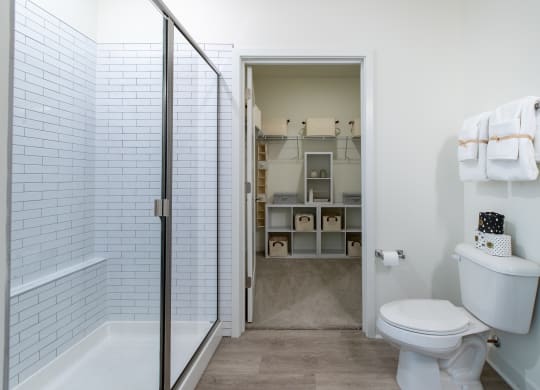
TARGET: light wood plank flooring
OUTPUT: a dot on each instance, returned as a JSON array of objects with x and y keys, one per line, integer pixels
[{"x": 309, "y": 360}]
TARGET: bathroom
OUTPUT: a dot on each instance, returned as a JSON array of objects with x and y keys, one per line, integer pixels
[{"x": 428, "y": 65}]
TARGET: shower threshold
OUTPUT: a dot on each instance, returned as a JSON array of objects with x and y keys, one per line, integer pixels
[{"x": 119, "y": 355}]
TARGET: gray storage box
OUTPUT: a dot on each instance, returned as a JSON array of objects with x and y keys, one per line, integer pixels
[
  {"x": 352, "y": 198},
  {"x": 285, "y": 198}
]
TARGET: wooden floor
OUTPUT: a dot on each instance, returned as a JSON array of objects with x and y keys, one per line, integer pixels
[{"x": 308, "y": 359}]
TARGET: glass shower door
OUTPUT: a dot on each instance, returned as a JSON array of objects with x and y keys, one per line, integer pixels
[{"x": 194, "y": 204}]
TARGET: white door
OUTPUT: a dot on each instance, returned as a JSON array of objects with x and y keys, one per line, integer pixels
[{"x": 250, "y": 201}]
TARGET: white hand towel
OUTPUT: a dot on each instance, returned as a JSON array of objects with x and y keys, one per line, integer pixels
[
  {"x": 537, "y": 137},
  {"x": 510, "y": 151},
  {"x": 469, "y": 138},
  {"x": 474, "y": 169}
]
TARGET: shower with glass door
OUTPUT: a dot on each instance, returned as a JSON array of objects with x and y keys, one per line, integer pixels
[{"x": 114, "y": 188}]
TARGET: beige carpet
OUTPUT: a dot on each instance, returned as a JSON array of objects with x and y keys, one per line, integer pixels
[{"x": 308, "y": 294}]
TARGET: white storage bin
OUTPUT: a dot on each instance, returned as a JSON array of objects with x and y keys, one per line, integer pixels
[
  {"x": 317, "y": 127},
  {"x": 354, "y": 248},
  {"x": 355, "y": 131},
  {"x": 331, "y": 223},
  {"x": 257, "y": 117},
  {"x": 278, "y": 246},
  {"x": 304, "y": 222},
  {"x": 274, "y": 126}
]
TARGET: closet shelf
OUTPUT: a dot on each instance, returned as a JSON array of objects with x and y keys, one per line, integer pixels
[
  {"x": 298, "y": 138},
  {"x": 305, "y": 138}
]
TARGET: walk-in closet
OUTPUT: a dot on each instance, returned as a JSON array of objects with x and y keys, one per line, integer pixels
[{"x": 304, "y": 207}]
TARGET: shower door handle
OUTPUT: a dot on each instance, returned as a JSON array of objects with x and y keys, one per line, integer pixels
[{"x": 162, "y": 208}]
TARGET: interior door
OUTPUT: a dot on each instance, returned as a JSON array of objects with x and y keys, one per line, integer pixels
[{"x": 250, "y": 203}]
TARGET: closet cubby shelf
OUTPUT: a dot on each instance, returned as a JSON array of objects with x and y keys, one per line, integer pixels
[{"x": 317, "y": 243}]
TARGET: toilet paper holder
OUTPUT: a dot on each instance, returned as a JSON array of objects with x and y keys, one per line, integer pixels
[{"x": 379, "y": 253}]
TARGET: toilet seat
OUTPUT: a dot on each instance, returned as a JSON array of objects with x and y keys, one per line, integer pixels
[
  {"x": 410, "y": 323},
  {"x": 426, "y": 316}
]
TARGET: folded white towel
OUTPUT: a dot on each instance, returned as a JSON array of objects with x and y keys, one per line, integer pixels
[
  {"x": 506, "y": 137},
  {"x": 537, "y": 137},
  {"x": 469, "y": 138},
  {"x": 472, "y": 148},
  {"x": 510, "y": 151}
]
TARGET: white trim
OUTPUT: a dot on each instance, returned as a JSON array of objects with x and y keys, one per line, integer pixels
[
  {"x": 193, "y": 376},
  {"x": 21, "y": 289},
  {"x": 494, "y": 363},
  {"x": 240, "y": 59}
]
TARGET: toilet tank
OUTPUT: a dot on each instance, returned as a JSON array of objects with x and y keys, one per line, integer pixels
[{"x": 499, "y": 291}]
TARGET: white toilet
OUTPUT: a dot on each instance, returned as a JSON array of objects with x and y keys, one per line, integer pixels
[{"x": 443, "y": 346}]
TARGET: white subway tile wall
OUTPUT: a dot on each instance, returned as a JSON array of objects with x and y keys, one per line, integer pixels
[
  {"x": 194, "y": 207},
  {"x": 53, "y": 145},
  {"x": 128, "y": 176},
  {"x": 51, "y": 318},
  {"x": 52, "y": 190},
  {"x": 86, "y": 169}
]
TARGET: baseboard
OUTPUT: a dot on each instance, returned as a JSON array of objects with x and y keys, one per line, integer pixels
[
  {"x": 196, "y": 369},
  {"x": 506, "y": 372}
]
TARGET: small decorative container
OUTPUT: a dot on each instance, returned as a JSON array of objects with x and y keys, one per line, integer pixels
[
  {"x": 278, "y": 246},
  {"x": 479, "y": 239},
  {"x": 491, "y": 222},
  {"x": 498, "y": 245},
  {"x": 331, "y": 223},
  {"x": 304, "y": 222}
]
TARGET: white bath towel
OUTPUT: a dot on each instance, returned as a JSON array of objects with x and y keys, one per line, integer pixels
[
  {"x": 472, "y": 148},
  {"x": 537, "y": 137},
  {"x": 510, "y": 151}
]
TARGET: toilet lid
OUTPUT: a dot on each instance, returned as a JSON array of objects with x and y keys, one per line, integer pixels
[{"x": 428, "y": 316}]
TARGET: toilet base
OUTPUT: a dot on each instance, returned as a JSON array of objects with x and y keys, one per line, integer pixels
[
  {"x": 460, "y": 371},
  {"x": 417, "y": 371}
]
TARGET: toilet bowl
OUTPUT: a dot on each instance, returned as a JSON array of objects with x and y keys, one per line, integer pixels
[{"x": 443, "y": 346}]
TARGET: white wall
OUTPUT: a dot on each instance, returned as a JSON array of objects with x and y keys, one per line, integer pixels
[
  {"x": 128, "y": 21},
  {"x": 418, "y": 107},
  {"x": 80, "y": 14},
  {"x": 503, "y": 63},
  {"x": 5, "y": 93}
]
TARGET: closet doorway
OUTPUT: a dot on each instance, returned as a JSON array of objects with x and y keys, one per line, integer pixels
[{"x": 305, "y": 236}]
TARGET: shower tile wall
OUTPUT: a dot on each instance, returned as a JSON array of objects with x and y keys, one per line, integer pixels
[
  {"x": 86, "y": 168},
  {"x": 53, "y": 145},
  {"x": 53, "y": 194},
  {"x": 128, "y": 176},
  {"x": 128, "y": 179}
]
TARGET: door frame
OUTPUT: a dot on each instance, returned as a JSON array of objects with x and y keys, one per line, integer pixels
[{"x": 243, "y": 58}]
